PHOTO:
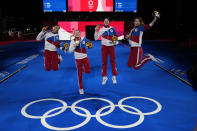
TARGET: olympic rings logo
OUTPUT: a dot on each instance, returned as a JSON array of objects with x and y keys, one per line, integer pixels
[{"x": 88, "y": 115}]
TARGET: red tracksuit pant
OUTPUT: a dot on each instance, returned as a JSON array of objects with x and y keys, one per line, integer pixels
[
  {"x": 135, "y": 59},
  {"x": 51, "y": 60},
  {"x": 83, "y": 66},
  {"x": 108, "y": 51}
]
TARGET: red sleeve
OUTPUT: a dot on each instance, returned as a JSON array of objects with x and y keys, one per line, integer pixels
[
  {"x": 146, "y": 27},
  {"x": 54, "y": 43}
]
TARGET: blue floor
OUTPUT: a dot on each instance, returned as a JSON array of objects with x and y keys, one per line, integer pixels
[{"x": 176, "y": 100}]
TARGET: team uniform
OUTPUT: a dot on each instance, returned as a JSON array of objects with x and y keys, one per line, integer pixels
[
  {"x": 51, "y": 58},
  {"x": 107, "y": 48},
  {"x": 81, "y": 58},
  {"x": 135, "y": 59}
]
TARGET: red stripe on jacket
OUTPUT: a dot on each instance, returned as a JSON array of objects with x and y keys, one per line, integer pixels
[
  {"x": 135, "y": 38},
  {"x": 108, "y": 37},
  {"x": 82, "y": 50},
  {"x": 54, "y": 43},
  {"x": 146, "y": 27}
]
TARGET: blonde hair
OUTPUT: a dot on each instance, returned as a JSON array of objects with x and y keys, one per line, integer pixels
[
  {"x": 77, "y": 30},
  {"x": 55, "y": 26}
]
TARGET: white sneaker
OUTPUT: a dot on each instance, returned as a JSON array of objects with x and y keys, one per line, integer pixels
[
  {"x": 114, "y": 80},
  {"x": 81, "y": 91},
  {"x": 155, "y": 59},
  {"x": 60, "y": 59},
  {"x": 104, "y": 80}
]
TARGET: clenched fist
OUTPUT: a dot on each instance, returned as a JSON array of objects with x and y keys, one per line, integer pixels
[
  {"x": 97, "y": 27},
  {"x": 127, "y": 36},
  {"x": 44, "y": 29}
]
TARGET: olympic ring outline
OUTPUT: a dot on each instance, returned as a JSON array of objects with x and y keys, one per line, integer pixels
[
  {"x": 24, "y": 113},
  {"x": 140, "y": 120},
  {"x": 80, "y": 114},
  {"x": 139, "y": 97},
  {"x": 88, "y": 115},
  {"x": 45, "y": 124}
]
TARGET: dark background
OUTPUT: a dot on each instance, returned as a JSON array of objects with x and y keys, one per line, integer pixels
[{"x": 177, "y": 16}]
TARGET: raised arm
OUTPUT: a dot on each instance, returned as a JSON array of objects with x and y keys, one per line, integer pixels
[
  {"x": 72, "y": 46},
  {"x": 153, "y": 22},
  {"x": 41, "y": 35},
  {"x": 97, "y": 33},
  {"x": 148, "y": 26}
]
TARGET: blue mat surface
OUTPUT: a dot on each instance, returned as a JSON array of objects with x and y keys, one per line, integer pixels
[{"x": 151, "y": 99}]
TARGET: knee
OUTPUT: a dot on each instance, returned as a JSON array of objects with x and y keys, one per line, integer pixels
[{"x": 130, "y": 64}]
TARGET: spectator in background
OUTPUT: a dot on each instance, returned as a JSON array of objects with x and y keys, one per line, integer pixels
[
  {"x": 11, "y": 33},
  {"x": 19, "y": 34}
]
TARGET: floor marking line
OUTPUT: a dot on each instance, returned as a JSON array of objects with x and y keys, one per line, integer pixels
[
  {"x": 1, "y": 81},
  {"x": 13, "y": 63},
  {"x": 186, "y": 82}
]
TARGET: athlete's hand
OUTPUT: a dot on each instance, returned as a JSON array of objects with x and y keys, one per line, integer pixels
[
  {"x": 127, "y": 36},
  {"x": 97, "y": 27},
  {"x": 44, "y": 29},
  {"x": 76, "y": 43},
  {"x": 72, "y": 37}
]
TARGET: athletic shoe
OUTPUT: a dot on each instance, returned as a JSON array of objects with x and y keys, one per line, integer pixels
[
  {"x": 60, "y": 59},
  {"x": 155, "y": 59},
  {"x": 114, "y": 80},
  {"x": 81, "y": 91},
  {"x": 104, "y": 80}
]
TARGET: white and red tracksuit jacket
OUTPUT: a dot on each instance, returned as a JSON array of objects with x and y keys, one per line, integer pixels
[
  {"x": 82, "y": 62},
  {"x": 136, "y": 35},
  {"x": 107, "y": 48},
  {"x": 106, "y": 34},
  {"x": 80, "y": 50},
  {"x": 51, "y": 40}
]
